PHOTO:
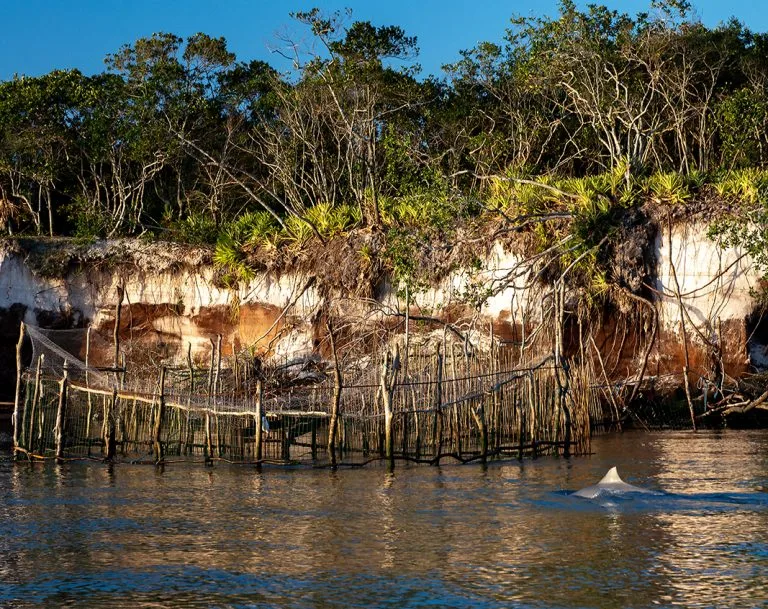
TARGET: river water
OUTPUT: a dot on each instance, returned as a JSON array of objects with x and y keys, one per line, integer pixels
[{"x": 509, "y": 535}]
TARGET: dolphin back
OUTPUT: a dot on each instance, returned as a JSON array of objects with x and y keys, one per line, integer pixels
[
  {"x": 612, "y": 477},
  {"x": 611, "y": 483}
]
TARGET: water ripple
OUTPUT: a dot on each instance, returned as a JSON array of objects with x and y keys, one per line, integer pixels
[{"x": 509, "y": 535}]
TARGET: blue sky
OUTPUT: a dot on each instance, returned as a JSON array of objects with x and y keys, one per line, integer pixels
[{"x": 42, "y": 35}]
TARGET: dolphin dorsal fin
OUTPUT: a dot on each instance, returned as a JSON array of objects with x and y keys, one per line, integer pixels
[{"x": 611, "y": 477}]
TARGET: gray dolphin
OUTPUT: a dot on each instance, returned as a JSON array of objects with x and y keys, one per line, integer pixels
[{"x": 611, "y": 484}]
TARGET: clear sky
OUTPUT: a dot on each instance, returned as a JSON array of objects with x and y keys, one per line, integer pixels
[{"x": 41, "y": 35}]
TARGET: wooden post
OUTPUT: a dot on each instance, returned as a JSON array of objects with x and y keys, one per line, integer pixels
[
  {"x": 407, "y": 353},
  {"x": 337, "y": 386},
  {"x": 16, "y": 421},
  {"x": 404, "y": 418},
  {"x": 455, "y": 409},
  {"x": 119, "y": 415},
  {"x": 259, "y": 417},
  {"x": 208, "y": 440},
  {"x": 24, "y": 412},
  {"x": 479, "y": 416},
  {"x": 39, "y": 439},
  {"x": 190, "y": 433},
  {"x": 345, "y": 437},
  {"x": 416, "y": 424},
  {"x": 60, "y": 416},
  {"x": 208, "y": 434},
  {"x": 211, "y": 369},
  {"x": 109, "y": 426},
  {"x": 35, "y": 397},
  {"x": 388, "y": 438},
  {"x": 217, "y": 392},
  {"x": 313, "y": 444},
  {"x": 88, "y": 385},
  {"x": 285, "y": 444},
  {"x": 563, "y": 398},
  {"x": 116, "y": 331},
  {"x": 217, "y": 377},
  {"x": 389, "y": 372},
  {"x": 111, "y": 409},
  {"x": 527, "y": 395},
  {"x": 437, "y": 429},
  {"x": 497, "y": 395},
  {"x": 158, "y": 447},
  {"x": 235, "y": 366}
]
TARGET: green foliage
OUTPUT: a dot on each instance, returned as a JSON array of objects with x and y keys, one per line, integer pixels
[
  {"x": 260, "y": 230},
  {"x": 746, "y": 227},
  {"x": 427, "y": 211},
  {"x": 669, "y": 188},
  {"x": 747, "y": 232},
  {"x": 595, "y": 217},
  {"x": 230, "y": 252},
  {"x": 88, "y": 222},
  {"x": 602, "y": 110},
  {"x": 332, "y": 220},
  {"x": 415, "y": 222},
  {"x": 401, "y": 254},
  {"x": 196, "y": 229},
  {"x": 593, "y": 220},
  {"x": 745, "y": 185},
  {"x": 298, "y": 231},
  {"x": 742, "y": 123}
]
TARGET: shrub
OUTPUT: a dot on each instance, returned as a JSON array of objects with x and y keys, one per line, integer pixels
[{"x": 669, "y": 188}]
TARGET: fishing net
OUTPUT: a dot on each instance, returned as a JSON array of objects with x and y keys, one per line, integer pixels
[
  {"x": 53, "y": 350},
  {"x": 445, "y": 404}
]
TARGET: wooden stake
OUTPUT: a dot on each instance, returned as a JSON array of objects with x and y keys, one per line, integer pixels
[
  {"x": 208, "y": 436},
  {"x": 437, "y": 429},
  {"x": 217, "y": 392},
  {"x": 455, "y": 409},
  {"x": 109, "y": 426},
  {"x": 35, "y": 398},
  {"x": 116, "y": 331},
  {"x": 259, "y": 417},
  {"x": 88, "y": 394},
  {"x": 60, "y": 416},
  {"x": 17, "y": 401},
  {"x": 390, "y": 368},
  {"x": 407, "y": 353},
  {"x": 567, "y": 439},
  {"x": 235, "y": 366},
  {"x": 285, "y": 440},
  {"x": 217, "y": 377},
  {"x": 337, "y": 387},
  {"x": 158, "y": 447},
  {"x": 479, "y": 415},
  {"x": 190, "y": 433}
]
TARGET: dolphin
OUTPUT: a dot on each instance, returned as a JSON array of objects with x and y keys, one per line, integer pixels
[{"x": 611, "y": 484}]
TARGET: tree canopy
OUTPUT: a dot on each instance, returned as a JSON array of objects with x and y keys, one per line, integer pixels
[{"x": 179, "y": 138}]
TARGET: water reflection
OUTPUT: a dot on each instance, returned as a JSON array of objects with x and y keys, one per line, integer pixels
[
  {"x": 701, "y": 563},
  {"x": 509, "y": 535}
]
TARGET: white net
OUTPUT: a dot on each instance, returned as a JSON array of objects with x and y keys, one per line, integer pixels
[{"x": 52, "y": 350}]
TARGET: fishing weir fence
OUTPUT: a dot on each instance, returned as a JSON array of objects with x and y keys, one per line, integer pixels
[{"x": 431, "y": 406}]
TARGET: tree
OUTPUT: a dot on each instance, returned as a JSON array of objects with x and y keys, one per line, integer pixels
[{"x": 324, "y": 144}]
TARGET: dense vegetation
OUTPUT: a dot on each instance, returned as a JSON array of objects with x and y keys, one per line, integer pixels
[{"x": 572, "y": 117}]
